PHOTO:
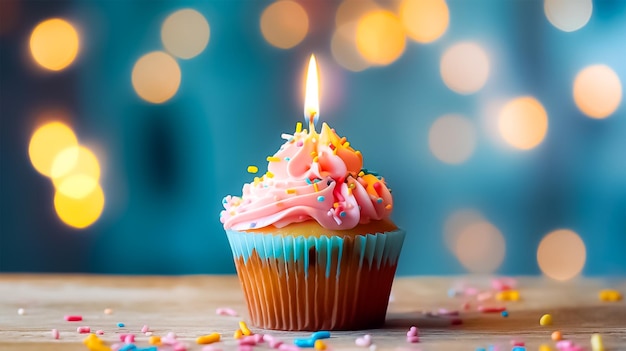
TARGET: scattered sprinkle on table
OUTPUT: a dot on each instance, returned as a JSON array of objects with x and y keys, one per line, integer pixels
[
  {"x": 505, "y": 314},
  {"x": 556, "y": 335},
  {"x": 121, "y": 325},
  {"x": 73, "y": 318},
  {"x": 545, "y": 320},
  {"x": 610, "y": 295}
]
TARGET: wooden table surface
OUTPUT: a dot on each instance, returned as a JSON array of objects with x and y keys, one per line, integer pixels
[{"x": 186, "y": 305}]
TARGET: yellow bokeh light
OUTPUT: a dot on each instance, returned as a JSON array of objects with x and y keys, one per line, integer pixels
[
  {"x": 75, "y": 172},
  {"x": 79, "y": 213},
  {"x": 464, "y": 67},
  {"x": 561, "y": 254},
  {"x": 46, "y": 142},
  {"x": 452, "y": 139},
  {"x": 597, "y": 91},
  {"x": 284, "y": 24},
  {"x": 380, "y": 37},
  {"x": 523, "y": 122},
  {"x": 344, "y": 50},
  {"x": 457, "y": 222},
  {"x": 156, "y": 77},
  {"x": 568, "y": 15},
  {"x": 424, "y": 20},
  {"x": 480, "y": 247},
  {"x": 54, "y": 44},
  {"x": 185, "y": 33}
]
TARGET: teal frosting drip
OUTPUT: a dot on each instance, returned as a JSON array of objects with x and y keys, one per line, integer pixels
[{"x": 379, "y": 249}]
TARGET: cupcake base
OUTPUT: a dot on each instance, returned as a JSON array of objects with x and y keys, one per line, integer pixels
[{"x": 321, "y": 283}]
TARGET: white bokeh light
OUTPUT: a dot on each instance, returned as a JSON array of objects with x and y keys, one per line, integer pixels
[{"x": 568, "y": 15}]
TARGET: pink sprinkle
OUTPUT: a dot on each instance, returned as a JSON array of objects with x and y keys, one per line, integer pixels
[
  {"x": 180, "y": 347},
  {"x": 116, "y": 346},
  {"x": 485, "y": 309},
  {"x": 564, "y": 344},
  {"x": 299, "y": 143},
  {"x": 288, "y": 347},
  {"x": 83, "y": 330},
  {"x": 366, "y": 340},
  {"x": 144, "y": 329},
  {"x": 413, "y": 331},
  {"x": 129, "y": 339},
  {"x": 258, "y": 338},
  {"x": 211, "y": 348},
  {"x": 503, "y": 283},
  {"x": 412, "y": 339},
  {"x": 226, "y": 311},
  {"x": 275, "y": 344},
  {"x": 268, "y": 338},
  {"x": 171, "y": 335},
  {"x": 517, "y": 343},
  {"x": 100, "y": 332},
  {"x": 73, "y": 318},
  {"x": 55, "y": 334},
  {"x": 248, "y": 340}
]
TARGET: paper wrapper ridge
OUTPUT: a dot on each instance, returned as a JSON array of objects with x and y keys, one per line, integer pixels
[{"x": 316, "y": 283}]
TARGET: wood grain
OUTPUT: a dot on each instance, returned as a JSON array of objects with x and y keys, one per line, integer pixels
[{"x": 186, "y": 305}]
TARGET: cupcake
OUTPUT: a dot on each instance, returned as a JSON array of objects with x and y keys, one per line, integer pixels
[{"x": 312, "y": 240}]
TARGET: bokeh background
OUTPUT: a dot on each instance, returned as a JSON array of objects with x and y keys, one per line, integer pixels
[{"x": 499, "y": 125}]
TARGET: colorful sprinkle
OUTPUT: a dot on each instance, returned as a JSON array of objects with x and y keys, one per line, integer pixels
[
  {"x": 546, "y": 319},
  {"x": 315, "y": 187},
  {"x": 227, "y": 311},
  {"x": 83, "y": 330},
  {"x": 319, "y": 345},
  {"x": 508, "y": 295},
  {"x": 238, "y": 334},
  {"x": 505, "y": 314},
  {"x": 556, "y": 335},
  {"x": 154, "y": 340},
  {"x": 290, "y": 191},
  {"x": 364, "y": 341},
  {"x": 610, "y": 295},
  {"x": 304, "y": 342},
  {"x": 109, "y": 311},
  {"x": 244, "y": 328},
  {"x": 99, "y": 332},
  {"x": 298, "y": 127},
  {"x": 273, "y": 159},
  {"x": 121, "y": 325},
  {"x": 208, "y": 339},
  {"x": 55, "y": 334},
  {"x": 596, "y": 342},
  {"x": 253, "y": 169},
  {"x": 144, "y": 329},
  {"x": 322, "y": 334},
  {"x": 73, "y": 318},
  {"x": 485, "y": 309},
  {"x": 388, "y": 207},
  {"x": 269, "y": 174},
  {"x": 320, "y": 198}
]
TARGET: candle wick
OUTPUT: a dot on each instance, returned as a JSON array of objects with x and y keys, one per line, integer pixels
[{"x": 312, "y": 121}]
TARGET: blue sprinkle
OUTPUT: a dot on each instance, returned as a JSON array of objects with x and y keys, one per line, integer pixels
[
  {"x": 505, "y": 313},
  {"x": 121, "y": 325},
  {"x": 379, "y": 200},
  {"x": 308, "y": 181},
  {"x": 128, "y": 347},
  {"x": 320, "y": 198},
  {"x": 287, "y": 158},
  {"x": 304, "y": 342},
  {"x": 518, "y": 348},
  {"x": 253, "y": 224},
  {"x": 342, "y": 214},
  {"x": 480, "y": 349},
  {"x": 149, "y": 348},
  {"x": 322, "y": 334}
]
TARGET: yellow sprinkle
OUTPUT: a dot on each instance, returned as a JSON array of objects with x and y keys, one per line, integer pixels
[
  {"x": 335, "y": 151},
  {"x": 596, "y": 342},
  {"x": 244, "y": 328},
  {"x": 357, "y": 152},
  {"x": 315, "y": 187},
  {"x": 546, "y": 319},
  {"x": 238, "y": 334},
  {"x": 92, "y": 339},
  {"x": 315, "y": 159},
  {"x": 319, "y": 345},
  {"x": 253, "y": 169},
  {"x": 351, "y": 186},
  {"x": 298, "y": 127},
  {"x": 290, "y": 191},
  {"x": 508, "y": 295},
  {"x": 336, "y": 204},
  {"x": 154, "y": 340},
  {"x": 545, "y": 347},
  {"x": 610, "y": 295},
  {"x": 349, "y": 191},
  {"x": 361, "y": 174},
  {"x": 269, "y": 174},
  {"x": 346, "y": 144},
  {"x": 208, "y": 339},
  {"x": 313, "y": 153},
  {"x": 273, "y": 159}
]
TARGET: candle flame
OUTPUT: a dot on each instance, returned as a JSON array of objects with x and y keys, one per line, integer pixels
[{"x": 311, "y": 100}]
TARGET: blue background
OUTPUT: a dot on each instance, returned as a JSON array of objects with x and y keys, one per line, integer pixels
[{"x": 168, "y": 166}]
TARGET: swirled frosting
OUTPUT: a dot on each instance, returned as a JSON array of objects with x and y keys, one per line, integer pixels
[{"x": 311, "y": 177}]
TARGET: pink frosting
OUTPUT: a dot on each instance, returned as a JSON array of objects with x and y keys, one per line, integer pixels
[{"x": 312, "y": 176}]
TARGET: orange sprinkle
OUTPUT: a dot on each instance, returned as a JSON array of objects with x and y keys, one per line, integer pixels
[
  {"x": 154, "y": 340},
  {"x": 298, "y": 127},
  {"x": 342, "y": 140},
  {"x": 273, "y": 159},
  {"x": 388, "y": 207},
  {"x": 238, "y": 334},
  {"x": 357, "y": 152},
  {"x": 313, "y": 153},
  {"x": 349, "y": 191},
  {"x": 291, "y": 191},
  {"x": 336, "y": 204},
  {"x": 269, "y": 174}
]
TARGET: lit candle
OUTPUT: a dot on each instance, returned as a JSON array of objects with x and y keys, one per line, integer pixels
[{"x": 311, "y": 99}]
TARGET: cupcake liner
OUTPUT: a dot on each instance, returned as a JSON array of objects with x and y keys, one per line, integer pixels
[{"x": 316, "y": 283}]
